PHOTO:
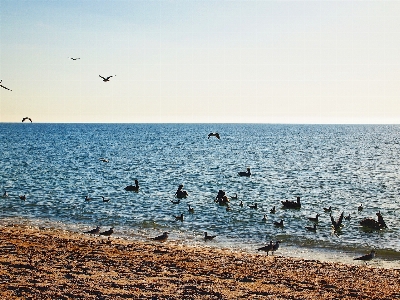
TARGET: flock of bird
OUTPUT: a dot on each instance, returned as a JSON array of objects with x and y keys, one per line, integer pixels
[{"x": 271, "y": 247}]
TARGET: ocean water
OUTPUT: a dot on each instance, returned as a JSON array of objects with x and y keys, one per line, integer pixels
[{"x": 343, "y": 166}]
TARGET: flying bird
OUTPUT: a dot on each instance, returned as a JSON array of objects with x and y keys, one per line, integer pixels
[
  {"x": 105, "y": 79},
  {"x": 26, "y": 118},
  {"x": 4, "y": 86},
  {"x": 216, "y": 134},
  {"x": 75, "y": 58}
]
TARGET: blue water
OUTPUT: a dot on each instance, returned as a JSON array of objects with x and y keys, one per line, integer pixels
[{"x": 57, "y": 165}]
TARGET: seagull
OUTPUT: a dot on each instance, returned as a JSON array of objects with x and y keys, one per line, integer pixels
[
  {"x": 313, "y": 228},
  {"x": 105, "y": 79},
  {"x": 278, "y": 224},
  {"x": 179, "y": 218},
  {"x": 266, "y": 248},
  {"x": 93, "y": 231},
  {"x": 162, "y": 237},
  {"x": 366, "y": 257},
  {"x": 4, "y": 86},
  {"x": 23, "y": 197},
  {"x": 208, "y": 237},
  {"x": 26, "y": 118},
  {"x": 314, "y": 219},
  {"x": 75, "y": 58},
  {"x": 275, "y": 247},
  {"x": 105, "y": 199},
  {"x": 273, "y": 210},
  {"x": 107, "y": 232},
  {"x": 216, "y": 134}
]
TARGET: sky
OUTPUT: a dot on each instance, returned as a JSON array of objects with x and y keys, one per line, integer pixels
[{"x": 269, "y": 61}]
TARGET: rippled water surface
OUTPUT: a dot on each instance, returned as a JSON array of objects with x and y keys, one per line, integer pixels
[{"x": 57, "y": 165}]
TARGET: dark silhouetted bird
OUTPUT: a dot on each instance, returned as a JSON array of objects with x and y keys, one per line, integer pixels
[
  {"x": 107, "y": 232},
  {"x": 105, "y": 79},
  {"x": 26, "y": 118},
  {"x": 208, "y": 237},
  {"x": 93, "y": 231},
  {"x": 4, "y": 86},
  {"x": 366, "y": 257},
  {"x": 267, "y": 248},
  {"x": 216, "y": 134},
  {"x": 162, "y": 237}
]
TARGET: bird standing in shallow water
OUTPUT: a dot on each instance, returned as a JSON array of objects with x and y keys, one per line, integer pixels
[{"x": 366, "y": 257}]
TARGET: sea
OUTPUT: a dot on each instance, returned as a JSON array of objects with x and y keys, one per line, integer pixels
[{"x": 339, "y": 166}]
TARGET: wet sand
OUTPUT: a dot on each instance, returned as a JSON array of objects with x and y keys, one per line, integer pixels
[{"x": 50, "y": 264}]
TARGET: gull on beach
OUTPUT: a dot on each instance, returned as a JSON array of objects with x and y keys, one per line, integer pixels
[
  {"x": 208, "y": 237},
  {"x": 26, "y": 118},
  {"x": 216, "y": 134},
  {"x": 93, "y": 231},
  {"x": 162, "y": 237},
  {"x": 4, "y": 86},
  {"x": 366, "y": 257},
  {"x": 267, "y": 248},
  {"x": 105, "y": 79},
  {"x": 107, "y": 232}
]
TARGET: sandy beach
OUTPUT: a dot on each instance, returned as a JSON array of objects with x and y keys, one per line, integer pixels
[{"x": 52, "y": 264}]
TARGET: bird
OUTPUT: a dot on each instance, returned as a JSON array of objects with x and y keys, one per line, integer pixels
[
  {"x": 190, "y": 209},
  {"x": 73, "y": 58},
  {"x": 254, "y": 206},
  {"x": 105, "y": 79},
  {"x": 245, "y": 174},
  {"x": 162, "y": 237},
  {"x": 314, "y": 219},
  {"x": 329, "y": 209},
  {"x": 107, "y": 232},
  {"x": 292, "y": 204},
  {"x": 104, "y": 159},
  {"x": 26, "y": 118},
  {"x": 313, "y": 228},
  {"x": 4, "y": 86},
  {"x": 360, "y": 208},
  {"x": 273, "y": 210},
  {"x": 93, "y": 231},
  {"x": 176, "y": 201},
  {"x": 105, "y": 199},
  {"x": 234, "y": 197},
  {"x": 337, "y": 224},
  {"x": 267, "y": 248},
  {"x": 22, "y": 197},
  {"x": 179, "y": 218},
  {"x": 366, "y": 257},
  {"x": 133, "y": 188},
  {"x": 216, "y": 134},
  {"x": 208, "y": 237},
  {"x": 241, "y": 204},
  {"x": 278, "y": 224},
  {"x": 275, "y": 247},
  {"x": 5, "y": 195},
  {"x": 264, "y": 219},
  {"x": 348, "y": 218},
  {"x": 87, "y": 198}
]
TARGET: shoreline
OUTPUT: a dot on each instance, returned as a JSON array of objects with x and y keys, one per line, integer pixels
[{"x": 41, "y": 263}]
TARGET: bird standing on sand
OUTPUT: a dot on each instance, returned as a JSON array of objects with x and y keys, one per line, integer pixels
[
  {"x": 26, "y": 118},
  {"x": 162, "y": 237},
  {"x": 275, "y": 247},
  {"x": 105, "y": 79},
  {"x": 267, "y": 248},
  {"x": 366, "y": 257},
  {"x": 4, "y": 86},
  {"x": 107, "y": 232},
  {"x": 216, "y": 134},
  {"x": 208, "y": 237},
  {"x": 93, "y": 231}
]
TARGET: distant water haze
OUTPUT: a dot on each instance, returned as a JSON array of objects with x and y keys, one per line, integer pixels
[{"x": 57, "y": 165}]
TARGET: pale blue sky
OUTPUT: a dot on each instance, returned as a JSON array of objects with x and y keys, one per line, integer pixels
[{"x": 200, "y": 61}]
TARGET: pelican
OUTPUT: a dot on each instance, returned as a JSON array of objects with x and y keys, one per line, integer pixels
[
  {"x": 216, "y": 134},
  {"x": 366, "y": 257},
  {"x": 26, "y": 118},
  {"x": 105, "y": 79},
  {"x": 4, "y": 86},
  {"x": 162, "y": 237},
  {"x": 208, "y": 237}
]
